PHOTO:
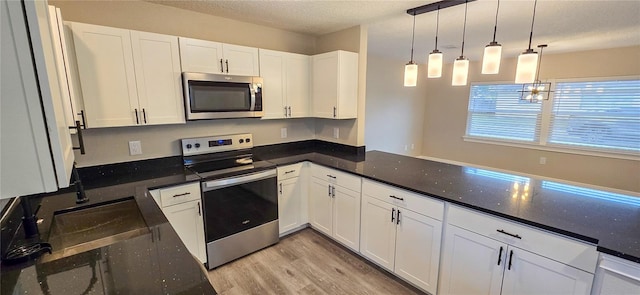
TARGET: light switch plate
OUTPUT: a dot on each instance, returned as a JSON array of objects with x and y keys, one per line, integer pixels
[
  {"x": 336, "y": 132},
  {"x": 135, "y": 148},
  {"x": 283, "y": 132}
]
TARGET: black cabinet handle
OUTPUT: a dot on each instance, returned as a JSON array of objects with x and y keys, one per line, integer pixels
[
  {"x": 144, "y": 115},
  {"x": 398, "y": 218},
  {"x": 393, "y": 212},
  {"x": 221, "y": 66},
  {"x": 226, "y": 61},
  {"x": 333, "y": 191},
  {"x": 331, "y": 176},
  {"x": 80, "y": 138},
  {"x": 285, "y": 111},
  {"x": 509, "y": 234},
  {"x": 290, "y": 171},
  {"x": 180, "y": 195},
  {"x": 510, "y": 259},
  {"x": 84, "y": 120},
  {"x": 334, "y": 112},
  {"x": 329, "y": 187},
  {"x": 500, "y": 256},
  {"x": 199, "y": 214},
  {"x": 397, "y": 198},
  {"x": 281, "y": 188},
  {"x": 137, "y": 119},
  {"x": 289, "y": 111}
]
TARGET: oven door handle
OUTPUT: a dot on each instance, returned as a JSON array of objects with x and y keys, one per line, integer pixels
[{"x": 225, "y": 182}]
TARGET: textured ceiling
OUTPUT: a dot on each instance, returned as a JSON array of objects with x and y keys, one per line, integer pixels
[{"x": 564, "y": 25}]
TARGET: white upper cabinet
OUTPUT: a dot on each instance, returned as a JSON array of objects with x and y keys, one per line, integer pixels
[
  {"x": 286, "y": 78},
  {"x": 105, "y": 65},
  {"x": 128, "y": 78},
  {"x": 218, "y": 58},
  {"x": 334, "y": 87},
  {"x": 156, "y": 61},
  {"x": 34, "y": 147}
]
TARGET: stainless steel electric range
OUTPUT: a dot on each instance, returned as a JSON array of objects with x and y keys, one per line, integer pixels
[{"x": 239, "y": 195}]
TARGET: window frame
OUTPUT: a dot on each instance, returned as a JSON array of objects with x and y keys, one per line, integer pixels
[{"x": 545, "y": 116}]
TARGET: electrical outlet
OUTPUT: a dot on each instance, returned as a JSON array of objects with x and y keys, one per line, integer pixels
[
  {"x": 543, "y": 160},
  {"x": 413, "y": 146},
  {"x": 406, "y": 147},
  {"x": 283, "y": 132},
  {"x": 336, "y": 132},
  {"x": 135, "y": 148}
]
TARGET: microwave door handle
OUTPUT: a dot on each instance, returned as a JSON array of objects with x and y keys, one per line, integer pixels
[{"x": 253, "y": 97}]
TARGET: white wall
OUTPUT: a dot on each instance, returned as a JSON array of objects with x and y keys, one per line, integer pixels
[{"x": 394, "y": 113}]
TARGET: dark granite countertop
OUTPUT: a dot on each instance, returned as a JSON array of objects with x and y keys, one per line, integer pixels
[
  {"x": 575, "y": 211},
  {"x": 156, "y": 262},
  {"x": 165, "y": 266}
]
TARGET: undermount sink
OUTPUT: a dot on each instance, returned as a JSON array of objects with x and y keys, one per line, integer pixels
[{"x": 85, "y": 229}]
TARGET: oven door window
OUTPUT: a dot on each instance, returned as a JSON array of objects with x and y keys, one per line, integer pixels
[
  {"x": 236, "y": 208},
  {"x": 206, "y": 96}
]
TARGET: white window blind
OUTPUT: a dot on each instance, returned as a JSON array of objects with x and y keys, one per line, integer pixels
[
  {"x": 496, "y": 112},
  {"x": 597, "y": 115}
]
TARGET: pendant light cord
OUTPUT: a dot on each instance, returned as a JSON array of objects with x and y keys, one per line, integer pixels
[
  {"x": 539, "y": 62},
  {"x": 413, "y": 35},
  {"x": 495, "y": 27},
  {"x": 464, "y": 28},
  {"x": 535, "y": 3},
  {"x": 437, "y": 27}
]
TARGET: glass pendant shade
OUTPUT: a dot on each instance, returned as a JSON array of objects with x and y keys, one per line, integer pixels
[
  {"x": 410, "y": 74},
  {"x": 526, "y": 68},
  {"x": 491, "y": 58},
  {"x": 435, "y": 65},
  {"x": 460, "y": 72}
]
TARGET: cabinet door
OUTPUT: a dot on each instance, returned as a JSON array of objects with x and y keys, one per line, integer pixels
[
  {"x": 378, "y": 229},
  {"x": 418, "y": 249},
  {"x": 289, "y": 204},
  {"x": 471, "y": 263},
  {"x": 534, "y": 274},
  {"x": 57, "y": 34},
  {"x": 346, "y": 217},
  {"x": 297, "y": 84},
  {"x": 201, "y": 56},
  {"x": 105, "y": 65},
  {"x": 240, "y": 60},
  {"x": 272, "y": 68},
  {"x": 324, "y": 85},
  {"x": 320, "y": 206},
  {"x": 158, "y": 77},
  {"x": 186, "y": 219}
]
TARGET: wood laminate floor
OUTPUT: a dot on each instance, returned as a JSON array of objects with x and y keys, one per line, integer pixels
[{"x": 305, "y": 263}]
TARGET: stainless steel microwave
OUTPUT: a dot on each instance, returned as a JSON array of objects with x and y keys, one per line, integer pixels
[{"x": 213, "y": 96}]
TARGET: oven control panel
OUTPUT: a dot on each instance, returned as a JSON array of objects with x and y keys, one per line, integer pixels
[{"x": 214, "y": 144}]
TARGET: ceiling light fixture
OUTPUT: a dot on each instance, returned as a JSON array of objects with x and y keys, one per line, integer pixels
[
  {"x": 461, "y": 64},
  {"x": 535, "y": 92},
  {"x": 492, "y": 52},
  {"x": 434, "y": 66},
  {"x": 528, "y": 60},
  {"x": 411, "y": 68}
]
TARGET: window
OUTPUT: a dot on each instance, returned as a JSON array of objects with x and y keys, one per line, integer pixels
[
  {"x": 496, "y": 111},
  {"x": 601, "y": 116},
  {"x": 597, "y": 115}
]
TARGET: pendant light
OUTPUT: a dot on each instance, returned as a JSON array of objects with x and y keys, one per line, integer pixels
[
  {"x": 434, "y": 66},
  {"x": 461, "y": 64},
  {"x": 528, "y": 60},
  {"x": 411, "y": 68},
  {"x": 492, "y": 52}
]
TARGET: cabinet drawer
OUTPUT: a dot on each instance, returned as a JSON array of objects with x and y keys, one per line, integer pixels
[
  {"x": 554, "y": 246},
  {"x": 179, "y": 194},
  {"x": 403, "y": 198},
  {"x": 342, "y": 179},
  {"x": 289, "y": 171}
]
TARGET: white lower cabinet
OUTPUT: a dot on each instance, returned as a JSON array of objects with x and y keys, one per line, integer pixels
[
  {"x": 483, "y": 255},
  {"x": 291, "y": 202},
  {"x": 401, "y": 240},
  {"x": 334, "y": 205},
  {"x": 616, "y": 276},
  {"x": 183, "y": 208}
]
